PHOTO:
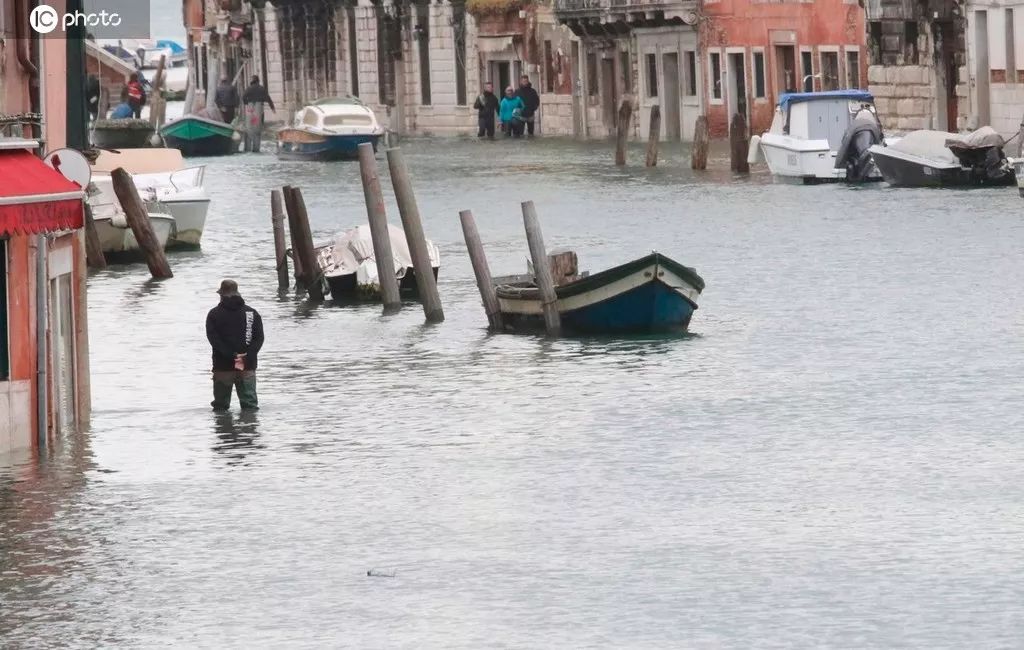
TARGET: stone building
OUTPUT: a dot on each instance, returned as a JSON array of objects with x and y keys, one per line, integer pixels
[
  {"x": 915, "y": 51},
  {"x": 994, "y": 70}
]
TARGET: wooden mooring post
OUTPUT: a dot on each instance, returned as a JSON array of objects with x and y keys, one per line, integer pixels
[
  {"x": 622, "y": 131},
  {"x": 481, "y": 270},
  {"x": 378, "y": 219},
  {"x": 653, "y": 134},
  {"x": 542, "y": 270},
  {"x": 300, "y": 277},
  {"x": 138, "y": 220},
  {"x": 93, "y": 248},
  {"x": 302, "y": 243},
  {"x": 414, "y": 236},
  {"x": 738, "y": 146},
  {"x": 701, "y": 141},
  {"x": 277, "y": 217},
  {"x": 157, "y": 105}
]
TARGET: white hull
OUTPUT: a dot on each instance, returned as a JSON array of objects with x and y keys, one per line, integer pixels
[
  {"x": 800, "y": 160},
  {"x": 189, "y": 219},
  {"x": 117, "y": 238},
  {"x": 179, "y": 194}
]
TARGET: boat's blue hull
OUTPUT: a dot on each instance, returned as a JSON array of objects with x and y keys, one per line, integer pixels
[{"x": 331, "y": 147}]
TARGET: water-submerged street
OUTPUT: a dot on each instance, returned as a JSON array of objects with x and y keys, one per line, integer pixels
[{"x": 831, "y": 457}]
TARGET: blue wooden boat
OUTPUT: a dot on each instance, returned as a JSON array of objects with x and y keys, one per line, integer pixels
[
  {"x": 650, "y": 294},
  {"x": 329, "y": 129}
]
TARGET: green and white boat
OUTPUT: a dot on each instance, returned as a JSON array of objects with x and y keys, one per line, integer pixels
[{"x": 200, "y": 136}]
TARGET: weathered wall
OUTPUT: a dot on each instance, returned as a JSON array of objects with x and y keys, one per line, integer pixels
[{"x": 905, "y": 97}]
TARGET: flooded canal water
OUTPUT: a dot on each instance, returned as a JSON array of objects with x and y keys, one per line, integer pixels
[{"x": 832, "y": 457}]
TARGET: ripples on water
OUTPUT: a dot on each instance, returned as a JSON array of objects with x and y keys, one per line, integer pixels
[{"x": 832, "y": 457}]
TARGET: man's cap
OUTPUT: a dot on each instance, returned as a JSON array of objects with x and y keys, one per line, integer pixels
[{"x": 228, "y": 288}]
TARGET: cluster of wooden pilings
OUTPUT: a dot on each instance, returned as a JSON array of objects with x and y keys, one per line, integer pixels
[
  {"x": 287, "y": 203},
  {"x": 738, "y": 141}
]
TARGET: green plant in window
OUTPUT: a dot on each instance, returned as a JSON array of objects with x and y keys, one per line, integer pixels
[{"x": 479, "y": 8}]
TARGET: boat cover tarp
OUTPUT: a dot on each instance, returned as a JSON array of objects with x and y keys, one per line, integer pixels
[
  {"x": 352, "y": 252},
  {"x": 983, "y": 138},
  {"x": 788, "y": 99},
  {"x": 930, "y": 145},
  {"x": 173, "y": 46}
]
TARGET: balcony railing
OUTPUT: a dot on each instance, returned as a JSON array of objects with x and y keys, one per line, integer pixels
[
  {"x": 579, "y": 6},
  {"x": 592, "y": 7}
]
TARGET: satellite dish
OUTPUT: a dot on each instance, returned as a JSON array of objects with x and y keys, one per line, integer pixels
[{"x": 71, "y": 164}]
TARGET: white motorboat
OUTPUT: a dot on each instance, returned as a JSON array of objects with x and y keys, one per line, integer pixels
[
  {"x": 116, "y": 237},
  {"x": 807, "y": 132},
  {"x": 350, "y": 268},
  {"x": 329, "y": 129},
  {"x": 166, "y": 186}
]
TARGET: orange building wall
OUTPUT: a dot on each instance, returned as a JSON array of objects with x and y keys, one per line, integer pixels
[{"x": 747, "y": 24}]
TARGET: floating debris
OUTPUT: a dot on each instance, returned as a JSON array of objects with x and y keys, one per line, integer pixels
[{"x": 377, "y": 573}]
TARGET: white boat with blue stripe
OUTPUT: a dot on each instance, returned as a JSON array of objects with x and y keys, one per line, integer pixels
[{"x": 329, "y": 129}]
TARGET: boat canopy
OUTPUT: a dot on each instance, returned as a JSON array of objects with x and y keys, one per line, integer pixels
[
  {"x": 983, "y": 138},
  {"x": 788, "y": 99},
  {"x": 930, "y": 145}
]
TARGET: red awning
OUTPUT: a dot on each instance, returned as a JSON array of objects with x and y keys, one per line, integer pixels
[{"x": 34, "y": 197}]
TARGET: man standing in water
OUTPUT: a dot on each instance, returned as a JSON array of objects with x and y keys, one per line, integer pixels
[
  {"x": 531, "y": 102},
  {"x": 227, "y": 100},
  {"x": 486, "y": 106},
  {"x": 254, "y": 97},
  {"x": 235, "y": 332}
]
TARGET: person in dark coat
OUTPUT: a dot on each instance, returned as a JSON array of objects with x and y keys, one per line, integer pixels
[
  {"x": 254, "y": 97},
  {"x": 531, "y": 102},
  {"x": 92, "y": 96},
  {"x": 486, "y": 106},
  {"x": 235, "y": 332},
  {"x": 226, "y": 100}
]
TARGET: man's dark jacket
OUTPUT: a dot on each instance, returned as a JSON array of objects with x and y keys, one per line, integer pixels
[
  {"x": 486, "y": 105},
  {"x": 256, "y": 93},
  {"x": 233, "y": 327},
  {"x": 531, "y": 100},
  {"x": 227, "y": 96}
]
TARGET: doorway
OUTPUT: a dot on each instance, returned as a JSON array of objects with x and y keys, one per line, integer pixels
[
  {"x": 609, "y": 94},
  {"x": 501, "y": 76},
  {"x": 785, "y": 69},
  {"x": 947, "y": 75},
  {"x": 670, "y": 101},
  {"x": 737, "y": 77},
  {"x": 981, "y": 71}
]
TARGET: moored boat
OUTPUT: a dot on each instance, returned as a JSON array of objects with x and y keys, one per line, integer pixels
[
  {"x": 116, "y": 237},
  {"x": 350, "y": 268},
  {"x": 165, "y": 185},
  {"x": 650, "y": 294},
  {"x": 195, "y": 135},
  {"x": 329, "y": 129},
  {"x": 808, "y": 129},
  {"x": 121, "y": 134},
  {"x": 939, "y": 159}
]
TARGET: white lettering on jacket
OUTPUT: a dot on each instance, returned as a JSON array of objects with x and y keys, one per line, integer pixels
[{"x": 248, "y": 327}]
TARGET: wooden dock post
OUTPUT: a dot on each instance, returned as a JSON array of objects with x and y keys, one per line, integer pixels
[
  {"x": 417, "y": 240},
  {"x": 622, "y": 132},
  {"x": 93, "y": 249},
  {"x": 480, "y": 269},
  {"x": 542, "y": 270},
  {"x": 156, "y": 105},
  {"x": 138, "y": 219},
  {"x": 378, "y": 218},
  {"x": 701, "y": 141},
  {"x": 289, "y": 204},
  {"x": 653, "y": 134},
  {"x": 277, "y": 217},
  {"x": 302, "y": 242},
  {"x": 738, "y": 146}
]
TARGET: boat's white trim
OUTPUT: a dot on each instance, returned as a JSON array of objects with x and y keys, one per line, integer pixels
[{"x": 632, "y": 281}]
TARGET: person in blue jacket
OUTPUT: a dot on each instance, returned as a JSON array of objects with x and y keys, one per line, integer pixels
[
  {"x": 510, "y": 113},
  {"x": 124, "y": 110}
]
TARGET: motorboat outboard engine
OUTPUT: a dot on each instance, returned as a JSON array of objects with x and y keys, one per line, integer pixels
[{"x": 853, "y": 154}]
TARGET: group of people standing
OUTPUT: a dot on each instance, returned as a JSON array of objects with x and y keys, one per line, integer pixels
[
  {"x": 515, "y": 113},
  {"x": 133, "y": 98},
  {"x": 252, "y": 100}
]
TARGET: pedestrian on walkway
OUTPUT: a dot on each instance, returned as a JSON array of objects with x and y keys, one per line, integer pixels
[
  {"x": 531, "y": 102},
  {"x": 136, "y": 94},
  {"x": 235, "y": 332},
  {"x": 486, "y": 106},
  {"x": 511, "y": 114},
  {"x": 227, "y": 100},
  {"x": 254, "y": 97}
]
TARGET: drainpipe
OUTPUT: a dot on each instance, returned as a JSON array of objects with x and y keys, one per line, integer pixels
[
  {"x": 23, "y": 40},
  {"x": 41, "y": 374}
]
